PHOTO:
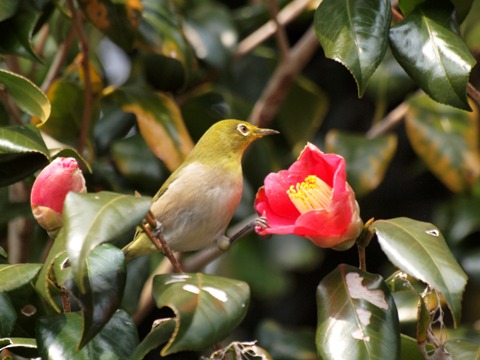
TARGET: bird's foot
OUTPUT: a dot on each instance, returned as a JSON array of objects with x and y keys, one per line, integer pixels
[{"x": 259, "y": 223}]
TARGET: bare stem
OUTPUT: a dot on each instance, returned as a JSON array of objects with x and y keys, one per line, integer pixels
[
  {"x": 85, "y": 64},
  {"x": 280, "y": 34},
  {"x": 390, "y": 121},
  {"x": 65, "y": 296},
  {"x": 362, "y": 260},
  {"x": 285, "y": 16},
  {"x": 277, "y": 88},
  {"x": 473, "y": 93}
]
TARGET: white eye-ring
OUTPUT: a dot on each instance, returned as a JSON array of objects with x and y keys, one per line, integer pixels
[{"x": 243, "y": 129}]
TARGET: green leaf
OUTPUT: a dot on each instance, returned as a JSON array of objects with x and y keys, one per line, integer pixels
[
  {"x": 26, "y": 94},
  {"x": 428, "y": 47},
  {"x": 96, "y": 218},
  {"x": 104, "y": 281},
  {"x": 357, "y": 317},
  {"x": 161, "y": 33},
  {"x": 284, "y": 343},
  {"x": 212, "y": 34},
  {"x": 410, "y": 350},
  {"x": 16, "y": 275},
  {"x": 11, "y": 343},
  {"x": 160, "y": 123},
  {"x": 8, "y": 316},
  {"x": 58, "y": 337},
  {"x": 367, "y": 159},
  {"x": 207, "y": 308},
  {"x": 119, "y": 20},
  {"x": 446, "y": 139},
  {"x": 302, "y": 112},
  {"x": 461, "y": 349},
  {"x": 8, "y": 8},
  {"x": 355, "y": 34},
  {"x": 17, "y": 31},
  {"x": 22, "y": 152},
  {"x": 419, "y": 249},
  {"x": 161, "y": 331}
]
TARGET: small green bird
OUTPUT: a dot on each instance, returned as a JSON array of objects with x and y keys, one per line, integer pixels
[{"x": 196, "y": 203}]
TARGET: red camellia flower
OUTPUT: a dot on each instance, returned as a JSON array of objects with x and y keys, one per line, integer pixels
[
  {"x": 311, "y": 199},
  {"x": 49, "y": 190}
]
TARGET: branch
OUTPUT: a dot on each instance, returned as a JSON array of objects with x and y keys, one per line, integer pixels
[
  {"x": 285, "y": 16},
  {"x": 85, "y": 64},
  {"x": 280, "y": 34},
  {"x": 390, "y": 121},
  {"x": 277, "y": 88}
]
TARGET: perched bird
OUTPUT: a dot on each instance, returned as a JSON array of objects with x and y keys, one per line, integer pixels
[{"x": 196, "y": 203}]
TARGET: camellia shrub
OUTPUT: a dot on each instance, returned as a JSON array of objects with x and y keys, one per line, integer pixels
[{"x": 356, "y": 235}]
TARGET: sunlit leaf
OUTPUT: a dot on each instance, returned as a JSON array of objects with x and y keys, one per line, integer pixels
[
  {"x": 12, "y": 342},
  {"x": 119, "y": 20},
  {"x": 301, "y": 113},
  {"x": 14, "y": 276},
  {"x": 58, "y": 338},
  {"x": 26, "y": 94},
  {"x": 357, "y": 317},
  {"x": 367, "y": 159},
  {"x": 419, "y": 249},
  {"x": 447, "y": 140},
  {"x": 207, "y": 308},
  {"x": 355, "y": 34},
  {"x": 22, "y": 152},
  {"x": 95, "y": 218},
  {"x": 160, "y": 123},
  {"x": 428, "y": 47}
]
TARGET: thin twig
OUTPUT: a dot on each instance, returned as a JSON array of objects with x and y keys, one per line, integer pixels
[
  {"x": 85, "y": 64},
  {"x": 277, "y": 88},
  {"x": 390, "y": 121},
  {"x": 280, "y": 33},
  {"x": 285, "y": 16},
  {"x": 362, "y": 260},
  {"x": 473, "y": 93},
  {"x": 11, "y": 107},
  {"x": 58, "y": 61},
  {"x": 65, "y": 296}
]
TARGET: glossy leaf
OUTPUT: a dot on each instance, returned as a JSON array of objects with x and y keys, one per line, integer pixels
[
  {"x": 207, "y": 308},
  {"x": 355, "y": 34},
  {"x": 58, "y": 338},
  {"x": 13, "y": 342},
  {"x": 301, "y": 113},
  {"x": 367, "y": 159},
  {"x": 161, "y": 332},
  {"x": 22, "y": 152},
  {"x": 160, "y": 123},
  {"x": 427, "y": 46},
  {"x": 96, "y": 218},
  {"x": 285, "y": 343},
  {"x": 357, "y": 317},
  {"x": 14, "y": 276},
  {"x": 8, "y": 316},
  {"x": 104, "y": 281},
  {"x": 119, "y": 20},
  {"x": 211, "y": 32},
  {"x": 447, "y": 141},
  {"x": 462, "y": 349},
  {"x": 26, "y": 94},
  {"x": 419, "y": 249}
]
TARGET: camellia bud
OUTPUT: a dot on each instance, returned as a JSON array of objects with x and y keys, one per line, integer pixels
[
  {"x": 311, "y": 199},
  {"x": 49, "y": 190}
]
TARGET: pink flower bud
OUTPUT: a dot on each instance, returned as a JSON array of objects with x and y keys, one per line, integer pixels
[
  {"x": 51, "y": 187},
  {"x": 311, "y": 199}
]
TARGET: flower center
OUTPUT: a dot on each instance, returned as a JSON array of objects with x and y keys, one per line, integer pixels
[{"x": 313, "y": 193}]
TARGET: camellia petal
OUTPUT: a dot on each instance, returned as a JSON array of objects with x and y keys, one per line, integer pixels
[{"x": 311, "y": 199}]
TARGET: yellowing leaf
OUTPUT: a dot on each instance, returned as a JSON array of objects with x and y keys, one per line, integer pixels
[{"x": 447, "y": 140}]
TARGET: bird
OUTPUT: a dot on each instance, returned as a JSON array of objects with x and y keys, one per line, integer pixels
[{"x": 197, "y": 201}]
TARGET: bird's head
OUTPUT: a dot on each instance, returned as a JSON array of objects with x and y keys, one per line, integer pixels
[{"x": 229, "y": 137}]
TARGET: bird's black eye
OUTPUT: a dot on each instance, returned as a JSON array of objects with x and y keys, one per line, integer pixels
[{"x": 243, "y": 129}]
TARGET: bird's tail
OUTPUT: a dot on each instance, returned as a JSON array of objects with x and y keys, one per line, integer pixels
[{"x": 140, "y": 245}]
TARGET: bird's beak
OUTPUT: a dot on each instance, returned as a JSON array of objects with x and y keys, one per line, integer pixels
[{"x": 259, "y": 132}]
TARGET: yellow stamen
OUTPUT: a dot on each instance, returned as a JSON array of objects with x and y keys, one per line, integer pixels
[{"x": 312, "y": 193}]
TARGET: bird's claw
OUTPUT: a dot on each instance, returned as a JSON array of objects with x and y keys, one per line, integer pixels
[
  {"x": 158, "y": 230},
  {"x": 261, "y": 223},
  {"x": 223, "y": 243}
]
